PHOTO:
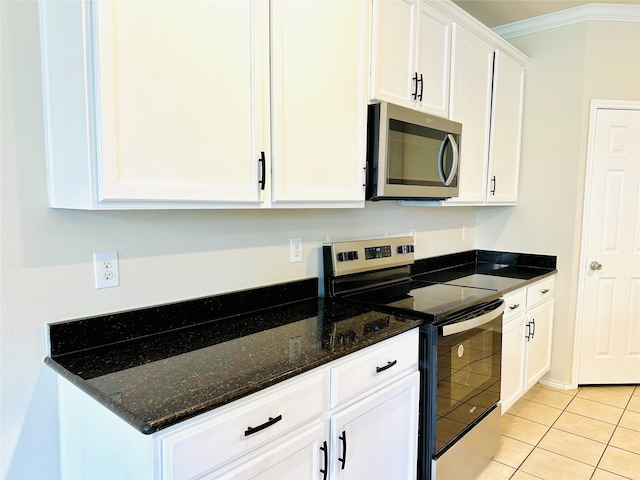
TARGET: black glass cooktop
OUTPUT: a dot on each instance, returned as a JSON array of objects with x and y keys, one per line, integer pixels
[{"x": 434, "y": 301}]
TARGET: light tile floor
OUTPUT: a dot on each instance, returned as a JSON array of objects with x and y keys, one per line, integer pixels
[{"x": 592, "y": 433}]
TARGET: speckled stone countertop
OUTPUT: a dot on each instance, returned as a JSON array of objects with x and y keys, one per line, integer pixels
[
  {"x": 500, "y": 271},
  {"x": 155, "y": 367}
]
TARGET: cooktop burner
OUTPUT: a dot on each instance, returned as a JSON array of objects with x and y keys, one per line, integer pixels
[
  {"x": 431, "y": 299},
  {"x": 486, "y": 281}
]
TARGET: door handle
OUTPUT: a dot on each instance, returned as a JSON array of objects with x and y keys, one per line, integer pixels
[
  {"x": 263, "y": 170},
  {"x": 595, "y": 265},
  {"x": 324, "y": 450},
  {"x": 343, "y": 460}
]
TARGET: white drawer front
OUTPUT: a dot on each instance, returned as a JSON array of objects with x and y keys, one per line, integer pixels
[
  {"x": 540, "y": 291},
  {"x": 373, "y": 366},
  {"x": 201, "y": 447},
  {"x": 515, "y": 303}
]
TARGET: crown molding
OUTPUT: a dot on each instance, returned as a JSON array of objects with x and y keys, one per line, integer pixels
[{"x": 583, "y": 13}]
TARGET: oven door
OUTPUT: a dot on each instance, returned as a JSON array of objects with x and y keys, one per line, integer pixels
[{"x": 468, "y": 370}]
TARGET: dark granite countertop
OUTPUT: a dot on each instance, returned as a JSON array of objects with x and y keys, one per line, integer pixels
[
  {"x": 501, "y": 271},
  {"x": 155, "y": 367},
  {"x": 165, "y": 377}
]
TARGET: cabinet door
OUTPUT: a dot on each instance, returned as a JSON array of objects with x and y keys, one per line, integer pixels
[
  {"x": 181, "y": 99},
  {"x": 513, "y": 359},
  {"x": 506, "y": 130},
  {"x": 540, "y": 320},
  {"x": 394, "y": 51},
  {"x": 471, "y": 83},
  {"x": 433, "y": 60},
  {"x": 319, "y": 101},
  {"x": 377, "y": 437},
  {"x": 301, "y": 456}
]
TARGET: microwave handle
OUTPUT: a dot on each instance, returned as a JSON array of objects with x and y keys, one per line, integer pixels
[{"x": 454, "y": 168}]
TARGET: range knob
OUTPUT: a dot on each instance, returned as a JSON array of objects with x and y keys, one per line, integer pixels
[
  {"x": 347, "y": 256},
  {"x": 405, "y": 249}
]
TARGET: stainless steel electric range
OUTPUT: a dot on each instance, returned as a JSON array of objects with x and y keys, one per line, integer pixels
[{"x": 460, "y": 349}]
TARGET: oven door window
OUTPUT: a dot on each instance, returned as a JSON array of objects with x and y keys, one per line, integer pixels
[
  {"x": 468, "y": 385},
  {"x": 413, "y": 155}
]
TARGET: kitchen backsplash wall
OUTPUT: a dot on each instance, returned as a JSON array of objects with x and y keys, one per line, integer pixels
[{"x": 164, "y": 256}]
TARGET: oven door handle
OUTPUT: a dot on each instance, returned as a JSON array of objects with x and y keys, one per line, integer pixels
[{"x": 473, "y": 322}]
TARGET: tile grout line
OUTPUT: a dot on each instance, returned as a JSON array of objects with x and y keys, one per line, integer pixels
[{"x": 549, "y": 427}]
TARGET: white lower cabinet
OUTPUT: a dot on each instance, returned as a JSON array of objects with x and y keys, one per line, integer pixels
[
  {"x": 526, "y": 339},
  {"x": 539, "y": 325},
  {"x": 513, "y": 362},
  {"x": 376, "y": 437},
  {"x": 287, "y": 431}
]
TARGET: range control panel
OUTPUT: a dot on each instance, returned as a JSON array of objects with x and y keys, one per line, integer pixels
[{"x": 344, "y": 258}]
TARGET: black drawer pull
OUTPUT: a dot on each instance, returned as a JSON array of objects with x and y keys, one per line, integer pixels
[
  {"x": 546, "y": 290},
  {"x": 325, "y": 451},
  {"x": 415, "y": 82},
  {"x": 271, "y": 421},
  {"x": 386, "y": 367},
  {"x": 513, "y": 307},
  {"x": 343, "y": 460}
]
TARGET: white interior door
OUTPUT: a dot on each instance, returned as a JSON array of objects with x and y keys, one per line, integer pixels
[{"x": 610, "y": 312}]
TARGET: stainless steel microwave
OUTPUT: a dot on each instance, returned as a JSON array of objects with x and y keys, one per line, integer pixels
[{"x": 411, "y": 155}]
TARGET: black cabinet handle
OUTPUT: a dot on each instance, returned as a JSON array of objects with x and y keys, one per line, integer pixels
[
  {"x": 263, "y": 170},
  {"x": 324, "y": 449},
  {"x": 546, "y": 290},
  {"x": 421, "y": 86},
  {"x": 533, "y": 332},
  {"x": 271, "y": 421},
  {"x": 528, "y": 335},
  {"x": 343, "y": 460},
  {"x": 415, "y": 82},
  {"x": 493, "y": 182},
  {"x": 386, "y": 367},
  {"x": 513, "y": 307}
]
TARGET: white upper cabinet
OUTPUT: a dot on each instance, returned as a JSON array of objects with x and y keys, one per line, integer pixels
[
  {"x": 432, "y": 56},
  {"x": 167, "y": 104},
  {"x": 320, "y": 67},
  {"x": 486, "y": 97},
  {"x": 506, "y": 130},
  {"x": 160, "y": 102},
  {"x": 411, "y": 55},
  {"x": 471, "y": 86}
]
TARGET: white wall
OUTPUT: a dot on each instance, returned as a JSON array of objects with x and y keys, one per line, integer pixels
[
  {"x": 569, "y": 66},
  {"x": 45, "y": 262}
]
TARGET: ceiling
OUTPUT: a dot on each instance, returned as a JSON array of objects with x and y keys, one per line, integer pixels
[{"x": 500, "y": 12}]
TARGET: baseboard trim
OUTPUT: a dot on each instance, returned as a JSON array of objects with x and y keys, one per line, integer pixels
[{"x": 556, "y": 384}]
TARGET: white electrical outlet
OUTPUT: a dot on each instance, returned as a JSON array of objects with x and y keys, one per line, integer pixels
[
  {"x": 296, "y": 250},
  {"x": 464, "y": 232},
  {"x": 106, "y": 269}
]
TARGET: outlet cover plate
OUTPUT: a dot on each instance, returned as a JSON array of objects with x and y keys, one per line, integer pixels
[{"x": 105, "y": 266}]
